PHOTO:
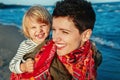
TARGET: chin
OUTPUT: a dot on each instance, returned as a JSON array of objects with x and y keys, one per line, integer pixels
[{"x": 61, "y": 53}]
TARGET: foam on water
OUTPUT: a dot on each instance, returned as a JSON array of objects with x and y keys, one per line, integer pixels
[{"x": 105, "y": 42}]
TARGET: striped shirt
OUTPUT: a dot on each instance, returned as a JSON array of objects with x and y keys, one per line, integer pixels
[{"x": 25, "y": 47}]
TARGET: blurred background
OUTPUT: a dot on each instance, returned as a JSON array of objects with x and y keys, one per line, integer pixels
[{"x": 106, "y": 33}]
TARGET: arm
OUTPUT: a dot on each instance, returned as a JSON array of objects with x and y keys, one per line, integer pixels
[{"x": 24, "y": 48}]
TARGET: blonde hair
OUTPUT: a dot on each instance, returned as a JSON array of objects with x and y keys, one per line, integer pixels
[{"x": 39, "y": 13}]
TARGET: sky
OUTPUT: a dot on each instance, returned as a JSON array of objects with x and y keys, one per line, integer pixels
[{"x": 44, "y": 2}]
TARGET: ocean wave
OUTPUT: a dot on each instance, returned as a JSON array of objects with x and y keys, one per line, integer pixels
[
  {"x": 117, "y": 11},
  {"x": 105, "y": 42},
  {"x": 107, "y": 5},
  {"x": 10, "y": 24},
  {"x": 109, "y": 10},
  {"x": 100, "y": 10},
  {"x": 23, "y": 10}
]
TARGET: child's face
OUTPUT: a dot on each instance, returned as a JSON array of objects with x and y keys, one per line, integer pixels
[{"x": 38, "y": 31}]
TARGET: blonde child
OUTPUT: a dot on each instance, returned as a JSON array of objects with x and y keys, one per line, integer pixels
[{"x": 36, "y": 27}]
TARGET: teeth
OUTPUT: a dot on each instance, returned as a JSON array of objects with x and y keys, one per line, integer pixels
[
  {"x": 60, "y": 45},
  {"x": 40, "y": 36}
]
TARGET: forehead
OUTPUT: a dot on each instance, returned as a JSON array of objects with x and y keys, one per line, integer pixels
[
  {"x": 29, "y": 20},
  {"x": 33, "y": 19},
  {"x": 64, "y": 23}
]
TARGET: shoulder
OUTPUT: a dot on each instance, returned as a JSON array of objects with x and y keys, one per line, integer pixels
[
  {"x": 27, "y": 42},
  {"x": 97, "y": 55}
]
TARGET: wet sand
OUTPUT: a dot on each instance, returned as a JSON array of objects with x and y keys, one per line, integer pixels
[{"x": 10, "y": 38}]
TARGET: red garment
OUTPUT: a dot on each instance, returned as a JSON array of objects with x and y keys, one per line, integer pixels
[
  {"x": 81, "y": 62},
  {"x": 43, "y": 60}
]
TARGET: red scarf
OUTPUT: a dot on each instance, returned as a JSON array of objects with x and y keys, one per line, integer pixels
[
  {"x": 43, "y": 60},
  {"x": 81, "y": 62}
]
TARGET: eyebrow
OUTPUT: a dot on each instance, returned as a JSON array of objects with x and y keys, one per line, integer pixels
[
  {"x": 62, "y": 29},
  {"x": 65, "y": 30}
]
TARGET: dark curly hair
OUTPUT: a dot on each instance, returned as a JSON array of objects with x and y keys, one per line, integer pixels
[{"x": 79, "y": 11}]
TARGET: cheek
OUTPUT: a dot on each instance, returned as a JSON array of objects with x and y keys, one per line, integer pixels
[
  {"x": 76, "y": 42},
  {"x": 46, "y": 29},
  {"x": 72, "y": 44},
  {"x": 31, "y": 32}
]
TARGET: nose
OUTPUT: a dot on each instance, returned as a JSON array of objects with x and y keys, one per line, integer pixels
[
  {"x": 56, "y": 36},
  {"x": 39, "y": 29}
]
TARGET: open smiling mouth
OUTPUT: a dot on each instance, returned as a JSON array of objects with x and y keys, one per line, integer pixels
[
  {"x": 60, "y": 46},
  {"x": 40, "y": 36}
]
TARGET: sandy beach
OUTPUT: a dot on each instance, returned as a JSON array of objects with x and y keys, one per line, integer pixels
[{"x": 10, "y": 38}]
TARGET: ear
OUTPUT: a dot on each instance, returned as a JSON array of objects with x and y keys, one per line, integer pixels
[{"x": 86, "y": 35}]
